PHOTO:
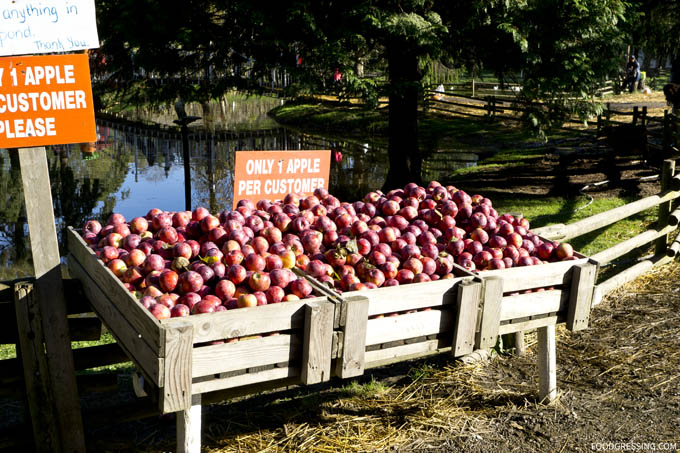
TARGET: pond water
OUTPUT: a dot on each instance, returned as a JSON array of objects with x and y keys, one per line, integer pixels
[{"x": 137, "y": 166}]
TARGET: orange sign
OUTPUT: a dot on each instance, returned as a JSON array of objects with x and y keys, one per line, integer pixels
[
  {"x": 45, "y": 100},
  {"x": 272, "y": 175}
]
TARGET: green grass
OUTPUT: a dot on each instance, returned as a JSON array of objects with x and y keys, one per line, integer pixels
[
  {"x": 369, "y": 389},
  {"x": 543, "y": 211},
  {"x": 7, "y": 351}
]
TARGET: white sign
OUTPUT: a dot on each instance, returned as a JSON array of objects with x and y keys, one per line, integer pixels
[{"x": 45, "y": 26}]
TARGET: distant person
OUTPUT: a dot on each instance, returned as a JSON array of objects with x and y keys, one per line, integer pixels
[
  {"x": 337, "y": 76},
  {"x": 632, "y": 74}
]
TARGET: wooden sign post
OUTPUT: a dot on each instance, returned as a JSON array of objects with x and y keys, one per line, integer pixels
[
  {"x": 270, "y": 175},
  {"x": 47, "y": 100}
]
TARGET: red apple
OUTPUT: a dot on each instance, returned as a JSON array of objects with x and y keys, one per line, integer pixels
[{"x": 160, "y": 311}]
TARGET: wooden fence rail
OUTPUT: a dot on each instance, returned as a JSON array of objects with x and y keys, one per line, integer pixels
[{"x": 659, "y": 235}]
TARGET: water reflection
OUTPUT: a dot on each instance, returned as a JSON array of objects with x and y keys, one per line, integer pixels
[{"x": 135, "y": 167}]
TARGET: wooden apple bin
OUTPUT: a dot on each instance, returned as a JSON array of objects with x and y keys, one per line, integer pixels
[
  {"x": 188, "y": 360},
  {"x": 388, "y": 325}
]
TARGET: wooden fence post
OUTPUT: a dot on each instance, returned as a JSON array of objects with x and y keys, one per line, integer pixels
[
  {"x": 36, "y": 375},
  {"x": 667, "y": 173},
  {"x": 635, "y": 115},
  {"x": 608, "y": 114},
  {"x": 644, "y": 115},
  {"x": 473, "y": 87},
  {"x": 35, "y": 177},
  {"x": 666, "y": 134}
]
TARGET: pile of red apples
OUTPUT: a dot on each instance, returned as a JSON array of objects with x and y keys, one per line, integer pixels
[{"x": 191, "y": 262}]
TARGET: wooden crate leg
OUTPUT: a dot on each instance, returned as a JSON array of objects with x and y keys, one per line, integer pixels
[
  {"x": 520, "y": 347},
  {"x": 189, "y": 427},
  {"x": 547, "y": 364}
]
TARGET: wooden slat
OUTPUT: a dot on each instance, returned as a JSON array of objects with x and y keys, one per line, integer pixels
[
  {"x": 246, "y": 321},
  {"x": 317, "y": 343},
  {"x": 524, "y": 305},
  {"x": 409, "y": 297},
  {"x": 543, "y": 275},
  {"x": 409, "y": 325},
  {"x": 35, "y": 178},
  {"x": 178, "y": 362},
  {"x": 144, "y": 323},
  {"x": 531, "y": 324},
  {"x": 469, "y": 295},
  {"x": 225, "y": 357},
  {"x": 36, "y": 374},
  {"x": 614, "y": 215},
  {"x": 96, "y": 356},
  {"x": 382, "y": 357},
  {"x": 626, "y": 246},
  {"x": 581, "y": 296},
  {"x": 125, "y": 333},
  {"x": 628, "y": 275},
  {"x": 492, "y": 296},
  {"x": 266, "y": 378},
  {"x": 353, "y": 320}
]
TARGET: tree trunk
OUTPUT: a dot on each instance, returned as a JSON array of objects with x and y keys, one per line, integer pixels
[{"x": 404, "y": 156}]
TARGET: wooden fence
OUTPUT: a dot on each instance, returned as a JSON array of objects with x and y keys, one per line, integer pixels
[
  {"x": 659, "y": 235},
  {"x": 493, "y": 108}
]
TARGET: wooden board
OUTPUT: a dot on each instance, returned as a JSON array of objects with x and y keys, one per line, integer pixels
[
  {"x": 531, "y": 324},
  {"x": 246, "y": 321},
  {"x": 409, "y": 297},
  {"x": 490, "y": 313},
  {"x": 525, "y": 305},
  {"x": 353, "y": 320},
  {"x": 381, "y": 357},
  {"x": 270, "y": 377},
  {"x": 130, "y": 309},
  {"x": 469, "y": 295},
  {"x": 541, "y": 276},
  {"x": 176, "y": 391},
  {"x": 581, "y": 296},
  {"x": 317, "y": 342},
  {"x": 226, "y": 357},
  {"x": 409, "y": 325}
]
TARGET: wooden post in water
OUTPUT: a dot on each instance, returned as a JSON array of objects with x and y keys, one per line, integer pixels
[
  {"x": 187, "y": 167},
  {"x": 46, "y": 264}
]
